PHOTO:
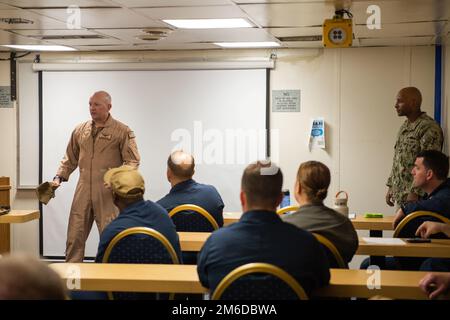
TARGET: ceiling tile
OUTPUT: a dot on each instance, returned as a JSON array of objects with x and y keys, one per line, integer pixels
[
  {"x": 289, "y": 14},
  {"x": 104, "y": 18},
  {"x": 56, "y": 3},
  {"x": 11, "y": 38},
  {"x": 39, "y": 22},
  {"x": 212, "y": 12},
  {"x": 398, "y": 11},
  {"x": 53, "y": 32}
]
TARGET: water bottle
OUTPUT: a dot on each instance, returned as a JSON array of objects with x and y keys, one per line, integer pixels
[
  {"x": 340, "y": 204},
  {"x": 286, "y": 199}
]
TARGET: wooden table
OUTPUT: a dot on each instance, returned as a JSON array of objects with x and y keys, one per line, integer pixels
[
  {"x": 193, "y": 241},
  {"x": 184, "y": 279},
  {"x": 14, "y": 216},
  {"x": 360, "y": 223}
]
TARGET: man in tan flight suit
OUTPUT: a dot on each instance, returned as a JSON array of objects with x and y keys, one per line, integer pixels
[{"x": 95, "y": 146}]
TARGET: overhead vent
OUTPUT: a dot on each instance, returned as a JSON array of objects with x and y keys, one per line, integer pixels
[
  {"x": 301, "y": 38},
  {"x": 16, "y": 21},
  {"x": 154, "y": 34}
]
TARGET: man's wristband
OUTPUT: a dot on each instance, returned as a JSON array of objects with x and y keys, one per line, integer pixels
[{"x": 61, "y": 179}]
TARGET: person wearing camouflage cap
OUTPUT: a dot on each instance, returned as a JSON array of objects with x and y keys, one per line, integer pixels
[
  {"x": 127, "y": 187},
  {"x": 419, "y": 132}
]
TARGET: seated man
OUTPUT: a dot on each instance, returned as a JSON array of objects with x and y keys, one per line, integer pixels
[
  {"x": 127, "y": 186},
  {"x": 427, "y": 229},
  {"x": 261, "y": 236},
  {"x": 430, "y": 173},
  {"x": 180, "y": 169},
  {"x": 26, "y": 278}
]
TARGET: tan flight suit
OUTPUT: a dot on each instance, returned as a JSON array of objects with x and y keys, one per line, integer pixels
[{"x": 94, "y": 150}]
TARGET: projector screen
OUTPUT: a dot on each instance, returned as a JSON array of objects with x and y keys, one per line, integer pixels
[{"x": 217, "y": 115}]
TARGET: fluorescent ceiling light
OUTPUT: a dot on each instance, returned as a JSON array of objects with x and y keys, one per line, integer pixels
[
  {"x": 40, "y": 47},
  {"x": 266, "y": 44},
  {"x": 209, "y": 23}
]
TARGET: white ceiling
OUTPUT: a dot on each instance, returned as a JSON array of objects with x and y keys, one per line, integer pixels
[{"x": 118, "y": 24}]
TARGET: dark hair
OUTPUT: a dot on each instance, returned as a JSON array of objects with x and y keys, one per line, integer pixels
[
  {"x": 181, "y": 170},
  {"x": 262, "y": 183},
  {"x": 314, "y": 178},
  {"x": 435, "y": 161},
  {"x": 25, "y": 277}
]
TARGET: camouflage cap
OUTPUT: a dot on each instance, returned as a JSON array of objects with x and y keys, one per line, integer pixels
[{"x": 125, "y": 181}]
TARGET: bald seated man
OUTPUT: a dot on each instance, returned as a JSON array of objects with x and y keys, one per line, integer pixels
[
  {"x": 94, "y": 147},
  {"x": 419, "y": 132},
  {"x": 26, "y": 278},
  {"x": 185, "y": 190}
]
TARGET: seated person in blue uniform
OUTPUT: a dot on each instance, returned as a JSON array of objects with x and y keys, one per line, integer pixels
[
  {"x": 185, "y": 190},
  {"x": 430, "y": 173},
  {"x": 127, "y": 186},
  {"x": 425, "y": 230},
  {"x": 261, "y": 236}
]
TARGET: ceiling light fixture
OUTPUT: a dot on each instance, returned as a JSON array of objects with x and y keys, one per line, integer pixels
[
  {"x": 209, "y": 23},
  {"x": 40, "y": 47},
  {"x": 264, "y": 44}
]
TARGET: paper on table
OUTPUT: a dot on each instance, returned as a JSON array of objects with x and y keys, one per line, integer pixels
[{"x": 383, "y": 241}]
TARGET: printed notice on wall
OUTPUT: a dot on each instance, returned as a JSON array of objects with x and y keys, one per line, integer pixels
[
  {"x": 317, "y": 135},
  {"x": 285, "y": 100},
  {"x": 5, "y": 97}
]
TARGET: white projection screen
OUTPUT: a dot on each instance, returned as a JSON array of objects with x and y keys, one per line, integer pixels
[{"x": 218, "y": 115}]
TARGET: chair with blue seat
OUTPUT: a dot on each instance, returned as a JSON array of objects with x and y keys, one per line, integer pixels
[
  {"x": 259, "y": 281},
  {"x": 407, "y": 229},
  {"x": 334, "y": 257},
  {"x": 144, "y": 246},
  {"x": 192, "y": 218},
  {"x": 408, "y": 226}
]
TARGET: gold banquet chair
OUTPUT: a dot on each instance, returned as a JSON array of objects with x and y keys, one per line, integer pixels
[
  {"x": 408, "y": 226},
  {"x": 143, "y": 246},
  {"x": 287, "y": 209},
  {"x": 192, "y": 218},
  {"x": 259, "y": 281},
  {"x": 334, "y": 257}
]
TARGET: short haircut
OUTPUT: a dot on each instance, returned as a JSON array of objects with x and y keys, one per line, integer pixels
[
  {"x": 179, "y": 167},
  {"x": 314, "y": 178},
  {"x": 262, "y": 183},
  {"x": 413, "y": 93},
  {"x": 25, "y": 277},
  {"x": 436, "y": 161}
]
